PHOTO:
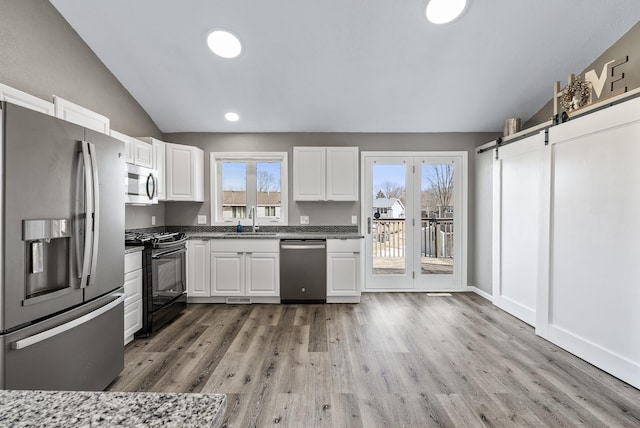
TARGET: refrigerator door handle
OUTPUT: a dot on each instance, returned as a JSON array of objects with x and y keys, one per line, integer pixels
[
  {"x": 48, "y": 334},
  {"x": 88, "y": 214},
  {"x": 96, "y": 211},
  {"x": 77, "y": 218}
]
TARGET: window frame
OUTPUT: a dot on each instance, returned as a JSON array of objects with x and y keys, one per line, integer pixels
[{"x": 215, "y": 186}]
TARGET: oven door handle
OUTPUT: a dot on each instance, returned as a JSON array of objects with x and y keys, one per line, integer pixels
[
  {"x": 172, "y": 244},
  {"x": 170, "y": 253}
]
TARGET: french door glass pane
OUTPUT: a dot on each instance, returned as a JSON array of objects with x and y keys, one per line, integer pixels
[
  {"x": 388, "y": 226},
  {"x": 436, "y": 218},
  {"x": 234, "y": 189}
]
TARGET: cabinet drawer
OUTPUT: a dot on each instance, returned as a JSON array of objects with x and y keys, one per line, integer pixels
[
  {"x": 132, "y": 261},
  {"x": 132, "y": 286},
  {"x": 243, "y": 245},
  {"x": 343, "y": 245},
  {"x": 132, "y": 318}
]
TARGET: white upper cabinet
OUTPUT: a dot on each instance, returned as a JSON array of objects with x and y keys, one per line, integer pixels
[
  {"x": 325, "y": 173},
  {"x": 143, "y": 153},
  {"x": 25, "y": 100},
  {"x": 184, "y": 173},
  {"x": 81, "y": 115},
  {"x": 135, "y": 151},
  {"x": 342, "y": 173},
  {"x": 158, "y": 149},
  {"x": 309, "y": 173},
  {"x": 159, "y": 164}
]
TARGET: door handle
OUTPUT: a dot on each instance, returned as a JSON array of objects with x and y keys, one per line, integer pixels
[
  {"x": 152, "y": 192},
  {"x": 302, "y": 247},
  {"x": 96, "y": 212},
  {"x": 88, "y": 214},
  {"x": 369, "y": 225},
  {"x": 48, "y": 334}
]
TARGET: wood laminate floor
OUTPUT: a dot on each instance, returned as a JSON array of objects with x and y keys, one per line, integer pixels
[{"x": 394, "y": 360}]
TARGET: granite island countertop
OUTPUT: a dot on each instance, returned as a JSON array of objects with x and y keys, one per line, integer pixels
[{"x": 110, "y": 409}]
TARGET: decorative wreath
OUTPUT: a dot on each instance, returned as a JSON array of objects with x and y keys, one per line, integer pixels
[{"x": 576, "y": 95}]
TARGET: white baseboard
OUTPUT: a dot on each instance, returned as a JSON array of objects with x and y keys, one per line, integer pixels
[
  {"x": 217, "y": 299},
  {"x": 343, "y": 299},
  {"x": 516, "y": 309},
  {"x": 480, "y": 292},
  {"x": 605, "y": 359}
]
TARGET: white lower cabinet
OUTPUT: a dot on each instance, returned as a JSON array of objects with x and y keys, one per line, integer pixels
[
  {"x": 344, "y": 270},
  {"x": 245, "y": 268},
  {"x": 245, "y": 274},
  {"x": 133, "y": 295},
  {"x": 233, "y": 270},
  {"x": 248, "y": 270},
  {"x": 262, "y": 274},
  {"x": 198, "y": 268},
  {"x": 227, "y": 274}
]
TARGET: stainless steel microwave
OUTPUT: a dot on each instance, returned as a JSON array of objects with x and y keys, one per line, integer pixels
[{"x": 140, "y": 185}]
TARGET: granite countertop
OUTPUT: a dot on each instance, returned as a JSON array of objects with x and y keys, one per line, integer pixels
[
  {"x": 132, "y": 249},
  {"x": 110, "y": 409},
  {"x": 274, "y": 235}
]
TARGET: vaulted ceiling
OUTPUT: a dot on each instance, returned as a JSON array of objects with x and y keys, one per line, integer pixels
[{"x": 345, "y": 65}]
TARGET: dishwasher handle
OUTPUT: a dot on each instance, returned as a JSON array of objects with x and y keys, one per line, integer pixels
[{"x": 302, "y": 245}]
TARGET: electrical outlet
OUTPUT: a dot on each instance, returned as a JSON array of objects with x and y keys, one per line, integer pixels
[
  {"x": 153, "y": 220},
  {"x": 354, "y": 219},
  {"x": 304, "y": 219},
  {"x": 202, "y": 219}
]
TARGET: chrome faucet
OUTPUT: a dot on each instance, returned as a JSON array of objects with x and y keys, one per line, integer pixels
[{"x": 252, "y": 216}]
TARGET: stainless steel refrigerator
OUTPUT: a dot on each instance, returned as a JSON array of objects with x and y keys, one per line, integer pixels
[{"x": 62, "y": 254}]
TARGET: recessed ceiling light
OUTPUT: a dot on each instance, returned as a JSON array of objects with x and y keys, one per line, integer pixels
[
  {"x": 443, "y": 11},
  {"x": 231, "y": 116},
  {"x": 224, "y": 44}
]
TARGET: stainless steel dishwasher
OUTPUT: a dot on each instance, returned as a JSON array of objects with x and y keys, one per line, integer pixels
[{"x": 303, "y": 271}]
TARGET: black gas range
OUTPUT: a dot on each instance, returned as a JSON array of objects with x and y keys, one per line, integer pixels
[{"x": 164, "y": 277}]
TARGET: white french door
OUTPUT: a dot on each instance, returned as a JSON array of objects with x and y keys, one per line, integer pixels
[{"x": 415, "y": 214}]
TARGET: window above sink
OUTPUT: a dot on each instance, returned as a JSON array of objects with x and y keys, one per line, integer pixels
[{"x": 240, "y": 181}]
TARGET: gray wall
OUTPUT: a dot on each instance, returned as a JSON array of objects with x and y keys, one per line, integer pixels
[
  {"x": 42, "y": 55},
  {"x": 323, "y": 213},
  {"x": 320, "y": 213},
  {"x": 627, "y": 45},
  {"x": 482, "y": 227}
]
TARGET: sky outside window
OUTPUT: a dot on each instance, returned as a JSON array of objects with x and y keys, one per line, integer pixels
[{"x": 234, "y": 176}]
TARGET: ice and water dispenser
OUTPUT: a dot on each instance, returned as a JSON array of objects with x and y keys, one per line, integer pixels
[{"x": 48, "y": 256}]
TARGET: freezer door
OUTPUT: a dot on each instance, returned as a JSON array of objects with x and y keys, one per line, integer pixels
[
  {"x": 42, "y": 216},
  {"x": 79, "y": 350},
  {"x": 107, "y": 255}
]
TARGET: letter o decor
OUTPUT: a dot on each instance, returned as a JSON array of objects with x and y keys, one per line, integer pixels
[{"x": 576, "y": 95}]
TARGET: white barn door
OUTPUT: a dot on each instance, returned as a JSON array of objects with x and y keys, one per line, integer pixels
[{"x": 516, "y": 228}]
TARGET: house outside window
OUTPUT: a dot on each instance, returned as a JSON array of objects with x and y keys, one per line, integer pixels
[
  {"x": 388, "y": 208},
  {"x": 242, "y": 180}
]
